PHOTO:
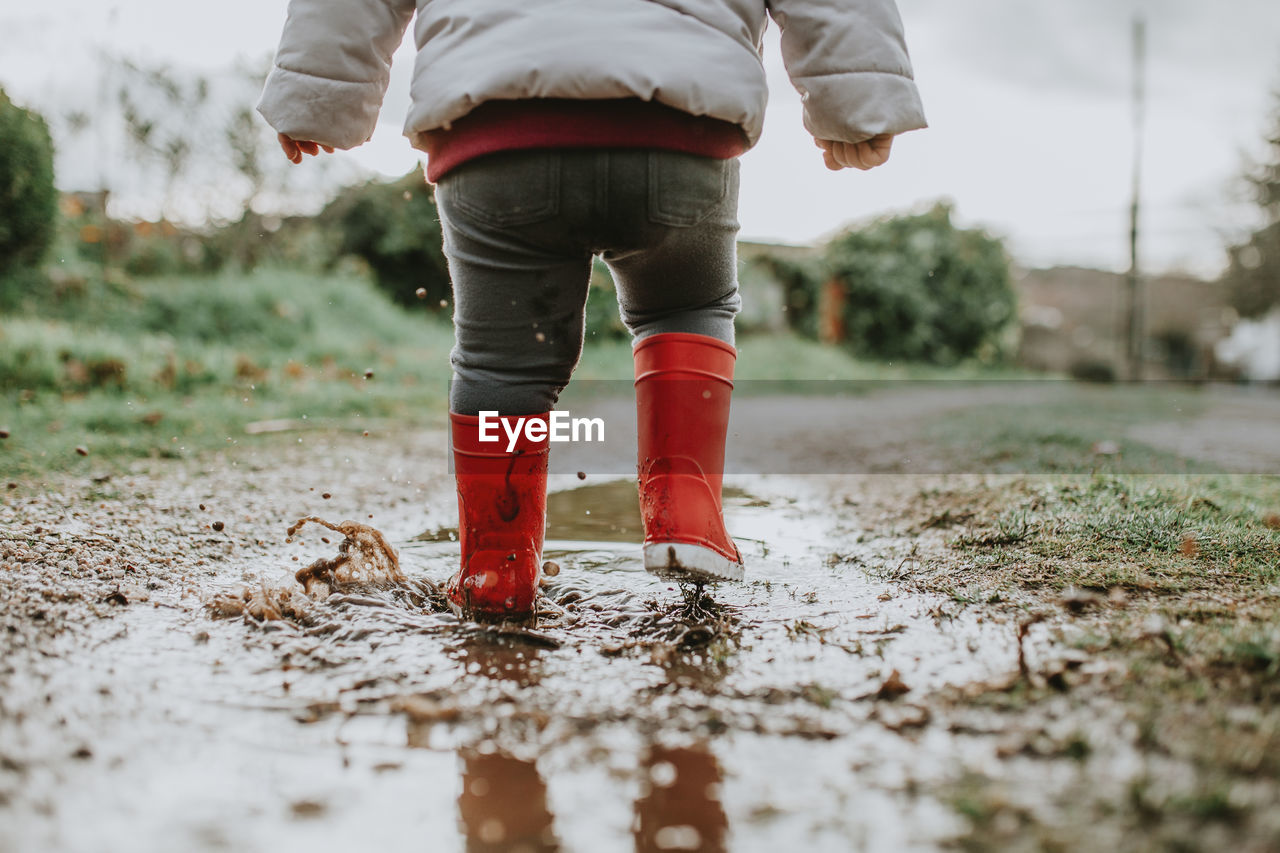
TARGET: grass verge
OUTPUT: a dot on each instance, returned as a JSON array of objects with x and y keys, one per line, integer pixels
[{"x": 167, "y": 367}]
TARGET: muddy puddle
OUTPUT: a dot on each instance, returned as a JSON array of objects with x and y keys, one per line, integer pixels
[
  {"x": 633, "y": 715},
  {"x": 166, "y": 682}
]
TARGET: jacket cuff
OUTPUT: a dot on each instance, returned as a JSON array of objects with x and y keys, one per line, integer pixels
[
  {"x": 885, "y": 103},
  {"x": 340, "y": 113}
]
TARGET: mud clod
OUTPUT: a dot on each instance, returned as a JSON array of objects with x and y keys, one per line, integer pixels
[
  {"x": 364, "y": 557},
  {"x": 308, "y": 808},
  {"x": 893, "y": 687},
  {"x": 262, "y": 604}
]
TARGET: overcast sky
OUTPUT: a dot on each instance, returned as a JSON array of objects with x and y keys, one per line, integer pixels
[{"x": 1028, "y": 104}]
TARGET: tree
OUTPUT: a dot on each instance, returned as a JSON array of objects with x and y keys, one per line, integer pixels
[
  {"x": 28, "y": 199},
  {"x": 395, "y": 229},
  {"x": 911, "y": 288},
  {"x": 1253, "y": 271}
]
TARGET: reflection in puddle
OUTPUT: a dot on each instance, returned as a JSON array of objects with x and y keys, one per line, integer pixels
[
  {"x": 499, "y": 660},
  {"x": 681, "y": 810},
  {"x": 605, "y": 512},
  {"x": 618, "y": 718},
  {"x": 503, "y": 805}
]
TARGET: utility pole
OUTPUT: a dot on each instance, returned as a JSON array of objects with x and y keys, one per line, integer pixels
[{"x": 1133, "y": 281}]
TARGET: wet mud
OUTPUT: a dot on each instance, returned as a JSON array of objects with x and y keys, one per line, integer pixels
[{"x": 230, "y": 700}]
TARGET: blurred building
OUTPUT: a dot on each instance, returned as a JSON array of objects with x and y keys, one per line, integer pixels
[
  {"x": 764, "y": 302},
  {"x": 1073, "y": 322}
]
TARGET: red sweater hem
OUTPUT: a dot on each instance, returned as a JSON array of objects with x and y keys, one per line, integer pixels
[{"x": 552, "y": 123}]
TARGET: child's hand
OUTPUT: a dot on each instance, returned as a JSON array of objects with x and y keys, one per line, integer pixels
[
  {"x": 295, "y": 148},
  {"x": 860, "y": 155}
]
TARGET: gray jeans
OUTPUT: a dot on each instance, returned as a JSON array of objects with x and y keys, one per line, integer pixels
[{"x": 520, "y": 231}]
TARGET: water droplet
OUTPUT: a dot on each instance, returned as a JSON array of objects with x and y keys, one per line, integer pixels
[{"x": 663, "y": 774}]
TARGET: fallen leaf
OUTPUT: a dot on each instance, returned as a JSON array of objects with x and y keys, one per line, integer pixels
[{"x": 893, "y": 687}]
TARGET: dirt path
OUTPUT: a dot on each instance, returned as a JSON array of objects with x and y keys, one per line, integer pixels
[{"x": 834, "y": 701}]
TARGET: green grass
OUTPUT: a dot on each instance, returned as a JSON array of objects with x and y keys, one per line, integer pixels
[
  {"x": 783, "y": 357},
  {"x": 172, "y": 366},
  {"x": 1162, "y": 533}
]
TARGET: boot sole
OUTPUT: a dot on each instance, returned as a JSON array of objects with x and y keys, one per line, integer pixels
[
  {"x": 486, "y": 618},
  {"x": 681, "y": 561}
]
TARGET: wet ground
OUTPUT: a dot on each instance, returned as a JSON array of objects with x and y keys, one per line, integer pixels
[{"x": 167, "y": 685}]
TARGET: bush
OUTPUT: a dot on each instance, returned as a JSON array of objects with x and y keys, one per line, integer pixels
[
  {"x": 1252, "y": 277},
  {"x": 917, "y": 288},
  {"x": 28, "y": 199},
  {"x": 395, "y": 229},
  {"x": 603, "y": 320}
]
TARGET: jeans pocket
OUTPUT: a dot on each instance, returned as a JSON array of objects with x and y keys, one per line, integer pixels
[
  {"x": 507, "y": 189},
  {"x": 684, "y": 189}
]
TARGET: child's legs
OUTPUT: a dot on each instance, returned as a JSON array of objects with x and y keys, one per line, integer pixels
[
  {"x": 683, "y": 278},
  {"x": 518, "y": 299}
]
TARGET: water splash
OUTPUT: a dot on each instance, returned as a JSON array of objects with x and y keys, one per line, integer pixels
[{"x": 365, "y": 558}]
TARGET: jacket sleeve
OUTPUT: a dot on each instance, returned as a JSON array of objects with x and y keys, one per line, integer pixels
[
  {"x": 848, "y": 59},
  {"x": 332, "y": 69}
]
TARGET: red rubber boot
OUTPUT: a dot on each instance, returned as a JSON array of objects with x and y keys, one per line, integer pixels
[
  {"x": 502, "y": 511},
  {"x": 683, "y": 385}
]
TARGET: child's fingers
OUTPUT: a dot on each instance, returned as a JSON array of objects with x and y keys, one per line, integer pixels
[
  {"x": 876, "y": 150},
  {"x": 295, "y": 148},
  {"x": 848, "y": 155},
  {"x": 861, "y": 155},
  {"x": 290, "y": 148},
  {"x": 883, "y": 142}
]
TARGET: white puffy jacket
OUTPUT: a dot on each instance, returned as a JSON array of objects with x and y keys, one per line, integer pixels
[{"x": 846, "y": 57}]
